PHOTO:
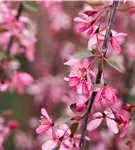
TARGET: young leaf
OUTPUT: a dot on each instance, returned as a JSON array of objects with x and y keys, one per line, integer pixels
[
  {"x": 113, "y": 64},
  {"x": 31, "y": 6},
  {"x": 73, "y": 107},
  {"x": 62, "y": 120},
  {"x": 2, "y": 30},
  {"x": 74, "y": 127},
  {"x": 95, "y": 3},
  {"x": 125, "y": 7},
  {"x": 82, "y": 54}
]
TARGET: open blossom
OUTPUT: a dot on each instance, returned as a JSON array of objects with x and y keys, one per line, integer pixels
[
  {"x": 79, "y": 79},
  {"x": 63, "y": 139},
  {"x": 106, "y": 94},
  {"x": 56, "y": 139},
  {"x": 99, "y": 117},
  {"x": 46, "y": 122}
]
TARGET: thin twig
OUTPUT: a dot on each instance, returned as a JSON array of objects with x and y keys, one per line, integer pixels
[
  {"x": 12, "y": 37},
  {"x": 98, "y": 77}
]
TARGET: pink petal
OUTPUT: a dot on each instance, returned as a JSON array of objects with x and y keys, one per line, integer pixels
[
  {"x": 120, "y": 35},
  {"x": 94, "y": 124},
  {"x": 49, "y": 145},
  {"x": 98, "y": 115},
  {"x": 98, "y": 95},
  {"x": 73, "y": 63},
  {"x": 42, "y": 128},
  {"x": 124, "y": 130},
  {"x": 115, "y": 45},
  {"x": 44, "y": 113},
  {"x": 82, "y": 29},
  {"x": 79, "y": 20},
  {"x": 85, "y": 88},
  {"x": 90, "y": 31},
  {"x": 80, "y": 107},
  {"x": 73, "y": 81},
  {"x": 79, "y": 88},
  {"x": 112, "y": 125}
]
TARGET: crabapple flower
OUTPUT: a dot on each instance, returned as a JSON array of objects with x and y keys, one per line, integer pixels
[
  {"x": 85, "y": 21},
  {"x": 107, "y": 94},
  {"x": 115, "y": 40},
  {"x": 99, "y": 117},
  {"x": 123, "y": 124},
  {"x": 63, "y": 139},
  {"x": 19, "y": 80},
  {"x": 46, "y": 122},
  {"x": 79, "y": 79}
]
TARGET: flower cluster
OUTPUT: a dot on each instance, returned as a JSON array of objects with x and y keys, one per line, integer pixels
[{"x": 83, "y": 80}]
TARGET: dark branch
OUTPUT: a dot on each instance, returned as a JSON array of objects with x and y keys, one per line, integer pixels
[
  {"x": 12, "y": 37},
  {"x": 99, "y": 74}
]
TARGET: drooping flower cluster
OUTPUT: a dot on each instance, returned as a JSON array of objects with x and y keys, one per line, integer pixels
[{"x": 106, "y": 108}]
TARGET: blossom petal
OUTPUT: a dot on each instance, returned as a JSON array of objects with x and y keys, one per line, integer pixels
[
  {"x": 82, "y": 29},
  {"x": 92, "y": 125},
  {"x": 79, "y": 88},
  {"x": 44, "y": 113},
  {"x": 84, "y": 88},
  {"x": 98, "y": 95},
  {"x": 49, "y": 145},
  {"x": 73, "y": 63},
  {"x": 115, "y": 45},
  {"x": 79, "y": 20},
  {"x": 112, "y": 125},
  {"x": 73, "y": 81},
  {"x": 42, "y": 128}
]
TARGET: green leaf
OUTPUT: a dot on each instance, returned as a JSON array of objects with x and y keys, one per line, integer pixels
[
  {"x": 113, "y": 64},
  {"x": 74, "y": 127},
  {"x": 31, "y": 6},
  {"x": 62, "y": 120},
  {"x": 82, "y": 54}
]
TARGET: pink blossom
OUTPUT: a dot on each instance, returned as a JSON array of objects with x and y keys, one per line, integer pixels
[
  {"x": 79, "y": 79},
  {"x": 123, "y": 124},
  {"x": 63, "y": 139},
  {"x": 85, "y": 21},
  {"x": 19, "y": 80},
  {"x": 12, "y": 124},
  {"x": 109, "y": 118},
  {"x": 46, "y": 122},
  {"x": 115, "y": 40},
  {"x": 106, "y": 94}
]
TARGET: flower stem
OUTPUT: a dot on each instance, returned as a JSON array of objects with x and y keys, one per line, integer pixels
[{"x": 99, "y": 74}]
